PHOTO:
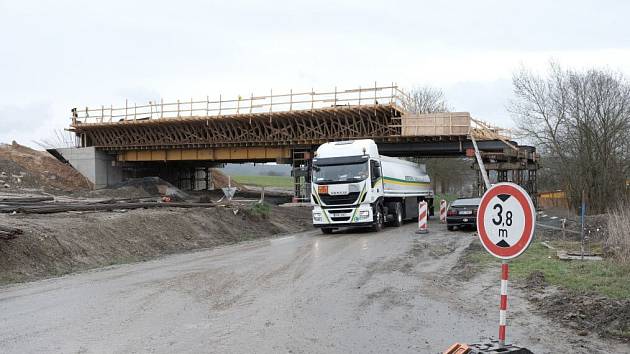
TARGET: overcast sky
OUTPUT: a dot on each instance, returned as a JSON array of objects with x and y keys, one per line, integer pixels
[{"x": 55, "y": 55}]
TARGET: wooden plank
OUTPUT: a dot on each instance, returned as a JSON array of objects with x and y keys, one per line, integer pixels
[
  {"x": 51, "y": 209},
  {"x": 436, "y": 124}
]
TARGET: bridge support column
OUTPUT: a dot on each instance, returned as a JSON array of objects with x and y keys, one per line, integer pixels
[
  {"x": 98, "y": 167},
  {"x": 510, "y": 166},
  {"x": 302, "y": 166}
]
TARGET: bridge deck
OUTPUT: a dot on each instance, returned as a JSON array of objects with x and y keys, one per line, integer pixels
[{"x": 307, "y": 118}]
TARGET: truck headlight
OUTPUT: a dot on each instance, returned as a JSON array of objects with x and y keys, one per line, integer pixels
[
  {"x": 317, "y": 216},
  {"x": 364, "y": 214}
]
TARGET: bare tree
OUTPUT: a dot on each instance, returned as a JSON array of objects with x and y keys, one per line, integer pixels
[
  {"x": 60, "y": 139},
  {"x": 581, "y": 119},
  {"x": 449, "y": 175},
  {"x": 425, "y": 99}
]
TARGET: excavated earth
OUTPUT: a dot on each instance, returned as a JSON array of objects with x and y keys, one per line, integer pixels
[
  {"x": 22, "y": 168},
  {"x": 56, "y": 244}
]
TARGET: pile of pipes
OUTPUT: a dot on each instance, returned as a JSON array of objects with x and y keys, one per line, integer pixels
[{"x": 48, "y": 205}]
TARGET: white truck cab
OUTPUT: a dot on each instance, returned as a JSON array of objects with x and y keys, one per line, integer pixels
[{"x": 354, "y": 186}]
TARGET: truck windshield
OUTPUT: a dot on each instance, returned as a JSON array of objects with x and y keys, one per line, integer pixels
[{"x": 340, "y": 173}]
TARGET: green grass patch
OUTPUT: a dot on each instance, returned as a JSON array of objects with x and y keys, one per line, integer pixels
[
  {"x": 260, "y": 210},
  {"x": 605, "y": 277},
  {"x": 265, "y": 181}
]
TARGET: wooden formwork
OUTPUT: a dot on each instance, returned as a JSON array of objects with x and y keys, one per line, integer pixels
[
  {"x": 257, "y": 129},
  {"x": 290, "y": 119},
  {"x": 448, "y": 123}
]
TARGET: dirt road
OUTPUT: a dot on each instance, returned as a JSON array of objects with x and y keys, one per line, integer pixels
[{"x": 306, "y": 293}]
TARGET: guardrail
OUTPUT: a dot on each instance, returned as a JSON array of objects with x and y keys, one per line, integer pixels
[{"x": 284, "y": 102}]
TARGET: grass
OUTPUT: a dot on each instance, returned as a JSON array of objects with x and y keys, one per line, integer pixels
[
  {"x": 619, "y": 238},
  {"x": 605, "y": 277},
  {"x": 261, "y": 210},
  {"x": 266, "y": 181}
]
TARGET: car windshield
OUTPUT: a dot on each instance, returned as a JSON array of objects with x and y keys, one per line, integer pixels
[
  {"x": 467, "y": 202},
  {"x": 340, "y": 173}
]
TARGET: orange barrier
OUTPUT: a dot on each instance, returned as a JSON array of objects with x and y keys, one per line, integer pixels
[
  {"x": 457, "y": 348},
  {"x": 554, "y": 199}
]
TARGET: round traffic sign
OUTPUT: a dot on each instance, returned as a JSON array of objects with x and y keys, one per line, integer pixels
[{"x": 506, "y": 220}]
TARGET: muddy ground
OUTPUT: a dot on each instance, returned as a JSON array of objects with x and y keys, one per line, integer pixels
[
  {"x": 352, "y": 292},
  {"x": 583, "y": 312},
  {"x": 57, "y": 244}
]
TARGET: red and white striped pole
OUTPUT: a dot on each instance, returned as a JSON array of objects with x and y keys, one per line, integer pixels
[
  {"x": 442, "y": 211},
  {"x": 503, "y": 306},
  {"x": 423, "y": 227}
]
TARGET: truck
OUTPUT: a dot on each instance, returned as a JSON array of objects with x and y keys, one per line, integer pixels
[{"x": 354, "y": 186}]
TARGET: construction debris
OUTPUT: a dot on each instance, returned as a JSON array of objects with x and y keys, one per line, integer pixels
[
  {"x": 566, "y": 256},
  {"x": 21, "y": 200},
  {"x": 46, "y": 207},
  {"x": 145, "y": 187},
  {"x": 7, "y": 232}
]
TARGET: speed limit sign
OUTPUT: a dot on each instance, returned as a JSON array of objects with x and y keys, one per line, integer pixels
[{"x": 506, "y": 220}]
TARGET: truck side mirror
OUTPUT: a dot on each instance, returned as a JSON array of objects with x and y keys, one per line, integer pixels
[{"x": 376, "y": 169}]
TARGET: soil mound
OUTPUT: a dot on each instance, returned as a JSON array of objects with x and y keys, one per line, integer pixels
[
  {"x": 24, "y": 168},
  {"x": 57, "y": 244},
  {"x": 535, "y": 280},
  {"x": 588, "y": 312},
  {"x": 221, "y": 180},
  {"x": 146, "y": 187}
]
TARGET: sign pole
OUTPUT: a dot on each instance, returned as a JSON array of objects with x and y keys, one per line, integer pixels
[
  {"x": 504, "y": 264},
  {"x": 506, "y": 220},
  {"x": 503, "y": 305}
]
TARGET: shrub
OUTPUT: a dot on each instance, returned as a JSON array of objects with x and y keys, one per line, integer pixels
[
  {"x": 261, "y": 210},
  {"x": 618, "y": 241}
]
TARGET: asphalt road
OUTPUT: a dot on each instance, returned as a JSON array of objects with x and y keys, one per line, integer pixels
[{"x": 387, "y": 292}]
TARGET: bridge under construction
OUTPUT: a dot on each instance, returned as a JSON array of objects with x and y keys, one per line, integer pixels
[{"x": 179, "y": 141}]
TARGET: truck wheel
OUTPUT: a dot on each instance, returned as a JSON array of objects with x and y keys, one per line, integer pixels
[
  {"x": 327, "y": 230},
  {"x": 379, "y": 220},
  {"x": 398, "y": 217}
]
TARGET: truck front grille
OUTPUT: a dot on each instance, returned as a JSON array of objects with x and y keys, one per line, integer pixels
[
  {"x": 341, "y": 211},
  {"x": 349, "y": 198}
]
